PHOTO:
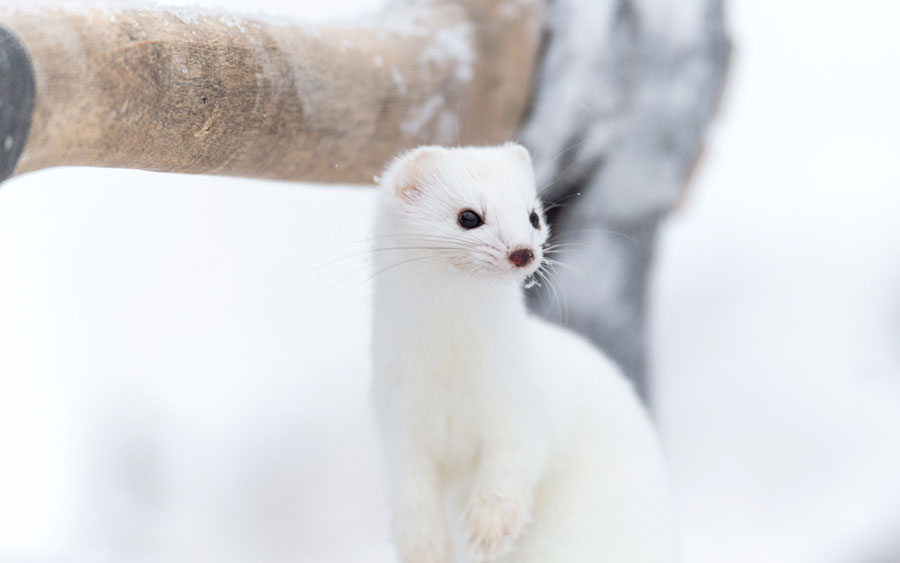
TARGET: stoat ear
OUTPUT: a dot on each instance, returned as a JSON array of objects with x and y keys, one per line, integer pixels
[
  {"x": 414, "y": 169},
  {"x": 519, "y": 152}
]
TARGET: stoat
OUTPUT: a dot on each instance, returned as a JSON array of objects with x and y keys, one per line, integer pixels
[{"x": 506, "y": 438}]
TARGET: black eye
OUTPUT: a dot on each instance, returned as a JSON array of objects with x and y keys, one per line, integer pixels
[
  {"x": 535, "y": 220},
  {"x": 468, "y": 219}
]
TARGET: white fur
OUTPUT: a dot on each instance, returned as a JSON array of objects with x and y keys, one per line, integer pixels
[{"x": 506, "y": 438}]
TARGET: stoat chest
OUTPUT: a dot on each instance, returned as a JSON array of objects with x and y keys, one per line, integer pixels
[{"x": 439, "y": 389}]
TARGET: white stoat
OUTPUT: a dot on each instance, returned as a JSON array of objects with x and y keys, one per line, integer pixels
[{"x": 506, "y": 438}]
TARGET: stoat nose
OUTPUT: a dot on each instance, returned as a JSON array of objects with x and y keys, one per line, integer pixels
[{"x": 521, "y": 257}]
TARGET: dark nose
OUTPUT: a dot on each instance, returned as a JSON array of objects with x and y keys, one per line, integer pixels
[{"x": 521, "y": 257}]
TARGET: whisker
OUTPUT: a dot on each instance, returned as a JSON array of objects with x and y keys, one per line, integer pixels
[
  {"x": 553, "y": 296},
  {"x": 395, "y": 248},
  {"x": 558, "y": 178},
  {"x": 553, "y": 283},
  {"x": 559, "y": 202},
  {"x": 570, "y": 147},
  {"x": 603, "y": 231},
  {"x": 392, "y": 266},
  {"x": 553, "y": 263},
  {"x": 415, "y": 236},
  {"x": 357, "y": 271}
]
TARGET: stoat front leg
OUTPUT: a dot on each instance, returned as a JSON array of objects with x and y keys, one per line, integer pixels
[
  {"x": 499, "y": 506},
  {"x": 419, "y": 525}
]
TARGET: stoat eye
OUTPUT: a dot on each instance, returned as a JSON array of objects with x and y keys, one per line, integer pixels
[
  {"x": 535, "y": 220},
  {"x": 468, "y": 219}
]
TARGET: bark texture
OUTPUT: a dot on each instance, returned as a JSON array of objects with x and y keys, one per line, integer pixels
[{"x": 199, "y": 92}]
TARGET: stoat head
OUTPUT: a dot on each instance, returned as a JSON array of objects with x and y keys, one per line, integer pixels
[{"x": 471, "y": 209}]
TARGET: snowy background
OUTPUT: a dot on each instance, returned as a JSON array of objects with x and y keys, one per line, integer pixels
[{"x": 183, "y": 360}]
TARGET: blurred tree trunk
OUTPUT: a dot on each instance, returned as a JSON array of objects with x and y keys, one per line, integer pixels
[{"x": 625, "y": 92}]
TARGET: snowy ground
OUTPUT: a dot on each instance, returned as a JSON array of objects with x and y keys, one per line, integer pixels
[{"x": 183, "y": 359}]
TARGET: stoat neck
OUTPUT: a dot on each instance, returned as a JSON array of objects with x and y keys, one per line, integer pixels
[{"x": 421, "y": 300}]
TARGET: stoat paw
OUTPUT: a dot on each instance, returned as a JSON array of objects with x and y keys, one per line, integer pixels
[{"x": 493, "y": 524}]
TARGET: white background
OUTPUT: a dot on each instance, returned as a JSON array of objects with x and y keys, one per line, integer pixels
[{"x": 183, "y": 360}]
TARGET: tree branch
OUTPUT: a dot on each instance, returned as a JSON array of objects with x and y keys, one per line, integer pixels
[{"x": 202, "y": 92}]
